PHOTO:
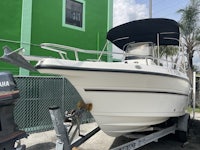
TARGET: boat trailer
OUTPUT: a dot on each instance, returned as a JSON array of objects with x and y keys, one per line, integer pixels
[{"x": 65, "y": 139}]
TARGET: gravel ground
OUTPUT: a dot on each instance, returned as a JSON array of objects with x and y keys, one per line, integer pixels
[{"x": 101, "y": 141}]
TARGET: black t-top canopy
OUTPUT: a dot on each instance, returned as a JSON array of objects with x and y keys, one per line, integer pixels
[{"x": 145, "y": 30}]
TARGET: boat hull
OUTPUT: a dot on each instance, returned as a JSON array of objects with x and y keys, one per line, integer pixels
[
  {"x": 136, "y": 111},
  {"x": 128, "y": 101}
]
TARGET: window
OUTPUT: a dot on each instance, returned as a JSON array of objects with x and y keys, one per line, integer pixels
[{"x": 74, "y": 14}]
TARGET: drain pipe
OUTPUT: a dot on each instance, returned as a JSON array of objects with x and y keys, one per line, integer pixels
[{"x": 194, "y": 94}]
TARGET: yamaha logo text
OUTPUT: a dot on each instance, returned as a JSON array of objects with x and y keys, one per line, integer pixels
[{"x": 4, "y": 83}]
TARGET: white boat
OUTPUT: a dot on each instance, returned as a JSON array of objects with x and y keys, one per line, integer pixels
[{"x": 140, "y": 91}]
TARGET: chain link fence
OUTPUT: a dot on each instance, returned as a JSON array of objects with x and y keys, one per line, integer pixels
[{"x": 37, "y": 94}]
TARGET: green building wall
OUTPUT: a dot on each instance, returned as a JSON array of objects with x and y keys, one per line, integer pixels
[
  {"x": 46, "y": 26},
  {"x": 10, "y": 29}
]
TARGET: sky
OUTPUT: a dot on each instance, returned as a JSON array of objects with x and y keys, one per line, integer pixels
[{"x": 129, "y": 10}]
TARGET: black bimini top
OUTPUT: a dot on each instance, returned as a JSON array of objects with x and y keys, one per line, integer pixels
[{"x": 145, "y": 30}]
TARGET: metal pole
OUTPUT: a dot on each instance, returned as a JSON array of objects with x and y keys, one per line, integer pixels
[
  {"x": 158, "y": 46},
  {"x": 63, "y": 141},
  {"x": 150, "y": 8},
  {"x": 194, "y": 93}
]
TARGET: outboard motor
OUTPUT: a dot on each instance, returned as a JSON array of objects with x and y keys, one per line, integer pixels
[{"x": 9, "y": 94}]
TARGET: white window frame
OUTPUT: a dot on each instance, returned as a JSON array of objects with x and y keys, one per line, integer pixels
[{"x": 64, "y": 17}]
